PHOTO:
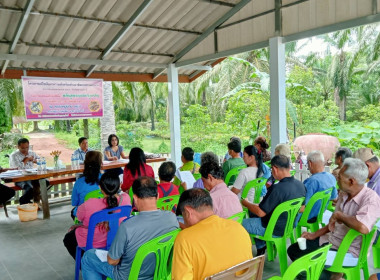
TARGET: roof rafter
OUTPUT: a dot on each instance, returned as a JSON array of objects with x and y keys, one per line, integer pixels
[
  {"x": 19, "y": 29},
  {"x": 84, "y": 48},
  {"x": 140, "y": 10},
  {"x": 204, "y": 35},
  {"x": 98, "y": 20}
]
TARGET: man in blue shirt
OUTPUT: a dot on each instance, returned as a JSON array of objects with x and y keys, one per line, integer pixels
[
  {"x": 80, "y": 153},
  {"x": 319, "y": 180}
]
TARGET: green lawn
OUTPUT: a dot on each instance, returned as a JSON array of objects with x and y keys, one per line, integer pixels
[{"x": 151, "y": 145}]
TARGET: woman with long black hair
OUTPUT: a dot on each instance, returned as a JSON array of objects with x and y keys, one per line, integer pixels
[
  {"x": 136, "y": 167},
  {"x": 254, "y": 161},
  {"x": 77, "y": 236}
]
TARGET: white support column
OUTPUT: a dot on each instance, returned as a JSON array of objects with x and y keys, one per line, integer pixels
[
  {"x": 277, "y": 92},
  {"x": 174, "y": 115},
  {"x": 107, "y": 123}
]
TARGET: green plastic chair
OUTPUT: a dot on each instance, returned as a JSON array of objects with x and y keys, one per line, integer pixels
[
  {"x": 131, "y": 194},
  {"x": 292, "y": 172},
  {"x": 197, "y": 176},
  {"x": 239, "y": 217},
  {"x": 167, "y": 203},
  {"x": 290, "y": 207},
  {"x": 312, "y": 263},
  {"x": 232, "y": 174},
  {"x": 258, "y": 185},
  {"x": 162, "y": 248},
  {"x": 324, "y": 198},
  {"x": 353, "y": 273},
  {"x": 268, "y": 163},
  {"x": 93, "y": 194},
  {"x": 376, "y": 254}
]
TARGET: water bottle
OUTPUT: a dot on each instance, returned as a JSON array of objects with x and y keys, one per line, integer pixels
[
  {"x": 43, "y": 164},
  {"x": 76, "y": 159},
  {"x": 39, "y": 165},
  {"x": 73, "y": 162}
]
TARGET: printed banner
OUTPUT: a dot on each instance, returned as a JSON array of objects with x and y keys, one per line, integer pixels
[{"x": 59, "y": 98}]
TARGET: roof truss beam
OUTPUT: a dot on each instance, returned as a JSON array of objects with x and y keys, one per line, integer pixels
[
  {"x": 207, "y": 32},
  {"x": 74, "y": 60},
  {"x": 220, "y": 3},
  {"x": 19, "y": 29},
  {"x": 84, "y": 49},
  {"x": 140, "y": 10},
  {"x": 98, "y": 20}
]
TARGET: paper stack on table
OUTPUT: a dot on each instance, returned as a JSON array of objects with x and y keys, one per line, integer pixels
[
  {"x": 187, "y": 177},
  {"x": 11, "y": 173}
]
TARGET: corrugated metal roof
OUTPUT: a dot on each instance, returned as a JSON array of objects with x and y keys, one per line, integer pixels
[{"x": 62, "y": 35}]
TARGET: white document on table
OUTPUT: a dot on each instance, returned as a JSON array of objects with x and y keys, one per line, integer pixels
[
  {"x": 106, "y": 162},
  {"x": 125, "y": 160},
  {"x": 11, "y": 173},
  {"x": 101, "y": 254},
  {"x": 187, "y": 177}
]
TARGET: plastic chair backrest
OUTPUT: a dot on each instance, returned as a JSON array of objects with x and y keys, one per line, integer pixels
[
  {"x": 112, "y": 216},
  {"x": 291, "y": 207},
  {"x": 233, "y": 173},
  {"x": 351, "y": 235},
  {"x": 197, "y": 176},
  {"x": 161, "y": 246},
  {"x": 258, "y": 184},
  {"x": 167, "y": 203},
  {"x": 324, "y": 198},
  {"x": 268, "y": 163},
  {"x": 251, "y": 269},
  {"x": 239, "y": 217},
  {"x": 312, "y": 263},
  {"x": 131, "y": 194},
  {"x": 93, "y": 194}
]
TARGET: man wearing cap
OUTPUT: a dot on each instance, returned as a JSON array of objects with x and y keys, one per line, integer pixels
[{"x": 372, "y": 162}]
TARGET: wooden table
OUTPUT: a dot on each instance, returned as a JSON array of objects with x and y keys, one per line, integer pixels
[{"x": 42, "y": 175}]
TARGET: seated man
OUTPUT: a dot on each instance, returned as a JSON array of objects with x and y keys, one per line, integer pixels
[
  {"x": 357, "y": 208},
  {"x": 188, "y": 164},
  {"x": 318, "y": 181},
  {"x": 225, "y": 202},
  {"x": 24, "y": 158},
  {"x": 132, "y": 233},
  {"x": 209, "y": 244},
  {"x": 227, "y": 156},
  {"x": 80, "y": 153},
  {"x": 166, "y": 174},
  {"x": 234, "y": 150},
  {"x": 372, "y": 162},
  {"x": 340, "y": 156},
  {"x": 286, "y": 189}
]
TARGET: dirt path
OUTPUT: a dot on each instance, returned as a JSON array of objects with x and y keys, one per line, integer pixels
[{"x": 45, "y": 142}]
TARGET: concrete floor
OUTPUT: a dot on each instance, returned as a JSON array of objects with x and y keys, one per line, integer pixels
[{"x": 34, "y": 250}]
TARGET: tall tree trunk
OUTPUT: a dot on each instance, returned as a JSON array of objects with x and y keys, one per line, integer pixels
[
  {"x": 68, "y": 126},
  {"x": 35, "y": 126},
  {"x": 85, "y": 128},
  {"x": 153, "y": 127},
  {"x": 204, "y": 98},
  {"x": 342, "y": 108}
]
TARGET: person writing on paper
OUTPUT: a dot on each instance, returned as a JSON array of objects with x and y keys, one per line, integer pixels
[
  {"x": 24, "y": 158},
  {"x": 132, "y": 233},
  {"x": 113, "y": 152},
  {"x": 188, "y": 165},
  {"x": 166, "y": 174},
  {"x": 357, "y": 208},
  {"x": 136, "y": 168},
  {"x": 109, "y": 185},
  {"x": 225, "y": 202},
  {"x": 88, "y": 181}
]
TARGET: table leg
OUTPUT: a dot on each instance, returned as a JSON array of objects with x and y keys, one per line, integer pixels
[{"x": 44, "y": 199}]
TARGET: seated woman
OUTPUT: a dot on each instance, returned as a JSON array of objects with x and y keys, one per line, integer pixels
[
  {"x": 109, "y": 186},
  {"x": 253, "y": 160},
  {"x": 136, "y": 167},
  {"x": 261, "y": 145},
  {"x": 166, "y": 174},
  {"x": 88, "y": 181},
  {"x": 113, "y": 152},
  {"x": 206, "y": 158}
]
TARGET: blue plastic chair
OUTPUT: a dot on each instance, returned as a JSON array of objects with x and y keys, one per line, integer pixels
[{"x": 112, "y": 216}]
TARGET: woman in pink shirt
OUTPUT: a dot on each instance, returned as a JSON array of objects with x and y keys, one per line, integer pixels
[
  {"x": 136, "y": 167},
  {"x": 109, "y": 186}
]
